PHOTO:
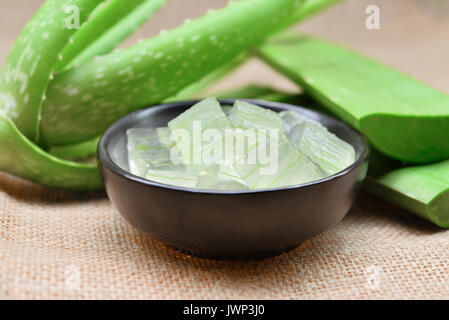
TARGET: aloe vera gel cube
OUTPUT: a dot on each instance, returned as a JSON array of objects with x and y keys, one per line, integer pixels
[
  {"x": 329, "y": 152},
  {"x": 188, "y": 130},
  {"x": 150, "y": 157},
  {"x": 285, "y": 166}
]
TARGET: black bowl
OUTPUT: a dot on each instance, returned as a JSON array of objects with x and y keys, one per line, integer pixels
[{"x": 228, "y": 224}]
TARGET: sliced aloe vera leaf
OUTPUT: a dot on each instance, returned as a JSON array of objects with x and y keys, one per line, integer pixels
[
  {"x": 19, "y": 156},
  {"x": 146, "y": 151},
  {"x": 220, "y": 177},
  {"x": 151, "y": 71},
  {"x": 285, "y": 167},
  {"x": 76, "y": 151},
  {"x": 205, "y": 115},
  {"x": 29, "y": 65},
  {"x": 173, "y": 177},
  {"x": 246, "y": 115},
  {"x": 107, "y": 28},
  {"x": 150, "y": 158},
  {"x": 329, "y": 152},
  {"x": 164, "y": 136},
  {"x": 402, "y": 117}
]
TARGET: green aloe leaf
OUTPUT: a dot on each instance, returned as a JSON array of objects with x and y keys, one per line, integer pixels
[
  {"x": 29, "y": 65},
  {"x": 423, "y": 190},
  {"x": 77, "y": 151},
  {"x": 192, "y": 90},
  {"x": 402, "y": 117},
  {"x": 109, "y": 25},
  {"x": 21, "y": 157},
  {"x": 82, "y": 102}
]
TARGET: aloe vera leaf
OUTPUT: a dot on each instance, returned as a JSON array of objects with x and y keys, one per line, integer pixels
[
  {"x": 402, "y": 117},
  {"x": 248, "y": 92},
  {"x": 29, "y": 65},
  {"x": 21, "y": 157},
  {"x": 307, "y": 10},
  {"x": 194, "y": 89},
  {"x": 107, "y": 28},
  {"x": 311, "y": 8},
  {"x": 151, "y": 71},
  {"x": 423, "y": 190},
  {"x": 77, "y": 151}
]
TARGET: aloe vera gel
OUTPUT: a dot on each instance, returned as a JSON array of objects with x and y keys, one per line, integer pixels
[{"x": 243, "y": 147}]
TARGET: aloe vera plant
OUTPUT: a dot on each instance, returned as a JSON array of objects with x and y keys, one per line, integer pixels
[
  {"x": 402, "y": 117},
  {"x": 38, "y": 106},
  {"x": 98, "y": 92}
]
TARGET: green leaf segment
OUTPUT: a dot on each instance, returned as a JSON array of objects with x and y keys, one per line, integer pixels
[{"x": 402, "y": 117}]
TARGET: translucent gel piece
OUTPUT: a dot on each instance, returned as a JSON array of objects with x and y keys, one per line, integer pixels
[
  {"x": 329, "y": 152},
  {"x": 289, "y": 167},
  {"x": 207, "y": 114},
  {"x": 147, "y": 152}
]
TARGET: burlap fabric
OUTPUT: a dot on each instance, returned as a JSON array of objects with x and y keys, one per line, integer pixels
[{"x": 66, "y": 245}]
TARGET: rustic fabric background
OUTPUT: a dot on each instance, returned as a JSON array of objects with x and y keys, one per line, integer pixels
[{"x": 64, "y": 245}]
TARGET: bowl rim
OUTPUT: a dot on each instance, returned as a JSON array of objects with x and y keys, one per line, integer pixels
[{"x": 105, "y": 159}]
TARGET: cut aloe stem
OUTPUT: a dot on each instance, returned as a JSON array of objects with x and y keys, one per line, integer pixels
[
  {"x": 109, "y": 25},
  {"x": 291, "y": 167},
  {"x": 325, "y": 149},
  {"x": 98, "y": 92},
  {"x": 402, "y": 117},
  {"x": 19, "y": 156}
]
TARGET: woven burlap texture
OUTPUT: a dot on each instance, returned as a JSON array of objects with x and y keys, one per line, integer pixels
[{"x": 65, "y": 245}]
